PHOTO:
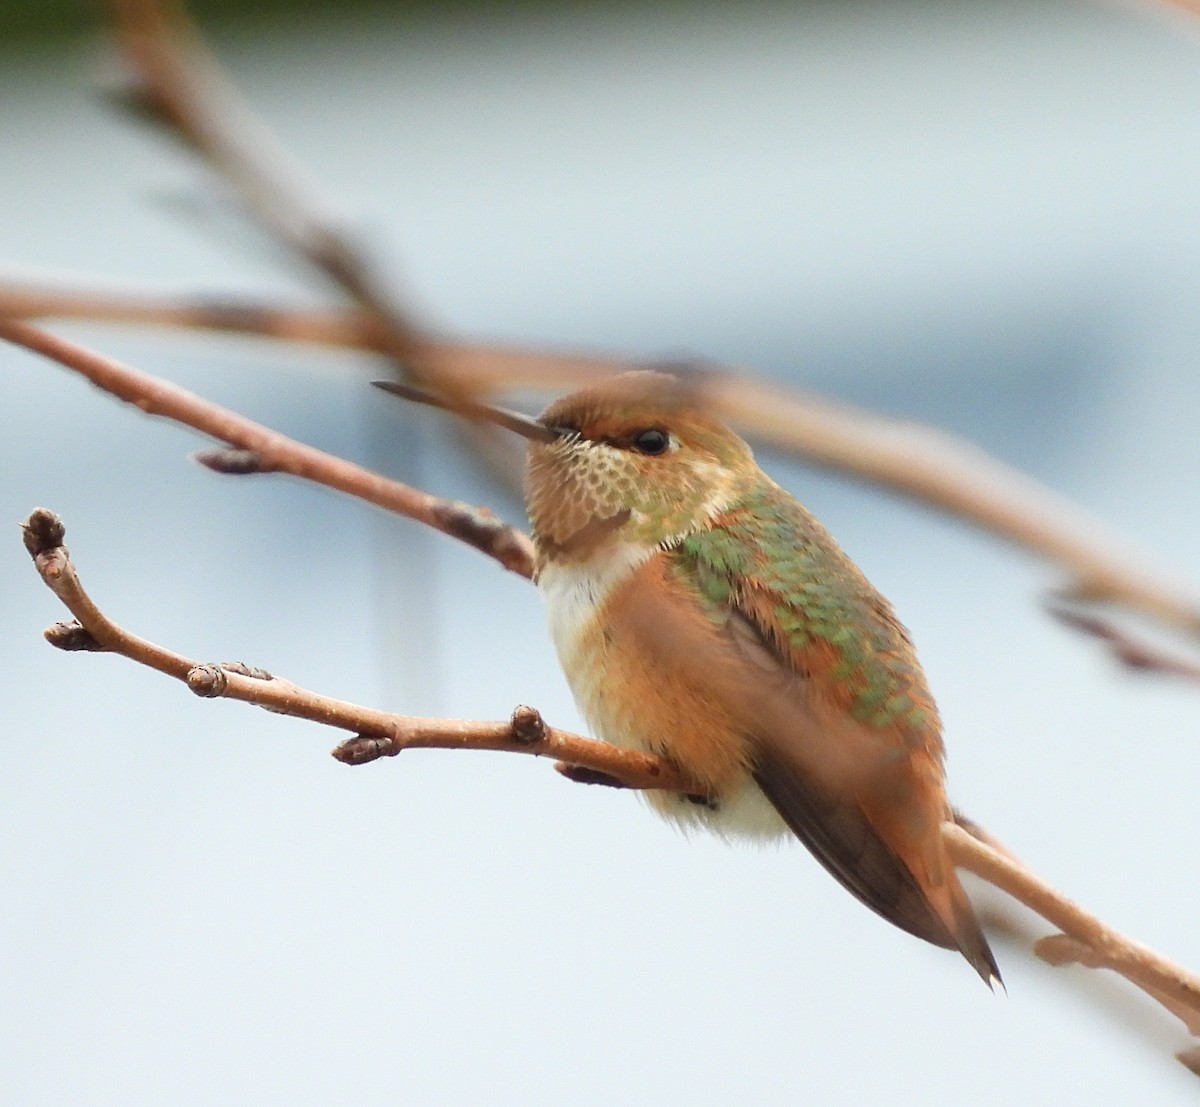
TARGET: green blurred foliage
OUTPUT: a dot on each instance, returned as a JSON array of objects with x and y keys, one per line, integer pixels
[
  {"x": 35, "y": 22},
  {"x": 31, "y": 21}
]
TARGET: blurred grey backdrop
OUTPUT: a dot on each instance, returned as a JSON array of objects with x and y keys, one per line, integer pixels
[{"x": 985, "y": 216}]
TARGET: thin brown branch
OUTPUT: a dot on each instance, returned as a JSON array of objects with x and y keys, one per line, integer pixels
[
  {"x": 1128, "y": 650},
  {"x": 348, "y": 328},
  {"x": 1060, "y": 949},
  {"x": 962, "y": 480},
  {"x": 1173, "y": 986},
  {"x": 275, "y": 453},
  {"x": 379, "y": 733},
  {"x": 976, "y": 849},
  {"x": 174, "y": 78},
  {"x": 43, "y": 533}
]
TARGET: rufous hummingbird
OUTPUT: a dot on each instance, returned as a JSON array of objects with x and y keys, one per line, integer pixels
[{"x": 701, "y": 614}]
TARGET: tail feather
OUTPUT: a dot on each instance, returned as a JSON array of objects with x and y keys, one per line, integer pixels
[
  {"x": 966, "y": 934},
  {"x": 841, "y": 836}
]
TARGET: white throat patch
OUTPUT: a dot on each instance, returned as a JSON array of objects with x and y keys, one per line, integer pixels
[{"x": 573, "y": 591}]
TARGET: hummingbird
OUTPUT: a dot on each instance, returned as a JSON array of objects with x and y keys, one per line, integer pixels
[{"x": 701, "y": 614}]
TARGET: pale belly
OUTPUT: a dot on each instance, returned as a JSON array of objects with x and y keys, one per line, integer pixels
[{"x": 601, "y": 689}]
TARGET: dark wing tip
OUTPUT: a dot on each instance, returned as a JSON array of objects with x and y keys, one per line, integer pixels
[{"x": 841, "y": 837}]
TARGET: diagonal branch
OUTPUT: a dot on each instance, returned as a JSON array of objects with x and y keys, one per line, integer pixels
[
  {"x": 963, "y": 480},
  {"x": 1174, "y": 987},
  {"x": 379, "y": 733},
  {"x": 261, "y": 450},
  {"x": 36, "y": 298},
  {"x": 1130, "y": 651},
  {"x": 173, "y": 78}
]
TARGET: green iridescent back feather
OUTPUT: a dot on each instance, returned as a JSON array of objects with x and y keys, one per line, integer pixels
[{"x": 767, "y": 557}]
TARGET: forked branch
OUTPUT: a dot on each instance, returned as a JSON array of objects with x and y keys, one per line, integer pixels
[
  {"x": 377, "y": 733},
  {"x": 173, "y": 78}
]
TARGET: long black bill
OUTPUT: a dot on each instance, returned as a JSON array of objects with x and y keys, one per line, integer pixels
[{"x": 524, "y": 425}]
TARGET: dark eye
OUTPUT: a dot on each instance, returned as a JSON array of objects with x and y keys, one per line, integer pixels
[{"x": 651, "y": 441}]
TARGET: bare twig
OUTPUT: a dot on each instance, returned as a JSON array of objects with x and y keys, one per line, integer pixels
[
  {"x": 1126, "y": 648},
  {"x": 349, "y": 328},
  {"x": 379, "y": 733},
  {"x": 1173, "y": 986},
  {"x": 964, "y": 481},
  {"x": 173, "y": 77},
  {"x": 271, "y": 452},
  {"x": 43, "y": 533}
]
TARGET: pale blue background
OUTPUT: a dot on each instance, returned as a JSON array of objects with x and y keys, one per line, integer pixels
[{"x": 983, "y": 216}]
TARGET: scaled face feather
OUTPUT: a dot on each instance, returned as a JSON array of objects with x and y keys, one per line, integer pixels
[{"x": 594, "y": 481}]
